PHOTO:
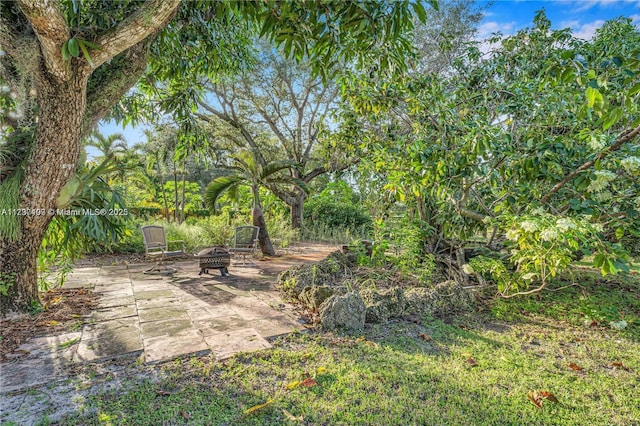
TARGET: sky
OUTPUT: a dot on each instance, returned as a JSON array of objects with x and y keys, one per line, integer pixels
[{"x": 584, "y": 17}]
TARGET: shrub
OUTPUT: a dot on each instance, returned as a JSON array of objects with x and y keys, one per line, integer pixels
[
  {"x": 280, "y": 230},
  {"x": 336, "y": 207},
  {"x": 335, "y": 214}
]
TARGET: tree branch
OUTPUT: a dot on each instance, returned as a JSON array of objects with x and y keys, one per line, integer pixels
[
  {"x": 149, "y": 18},
  {"x": 624, "y": 138},
  {"x": 235, "y": 124},
  {"x": 52, "y": 31},
  {"x": 124, "y": 71}
]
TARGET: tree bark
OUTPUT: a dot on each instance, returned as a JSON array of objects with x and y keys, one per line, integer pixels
[
  {"x": 53, "y": 160},
  {"x": 297, "y": 212},
  {"x": 257, "y": 217},
  {"x": 61, "y": 90}
]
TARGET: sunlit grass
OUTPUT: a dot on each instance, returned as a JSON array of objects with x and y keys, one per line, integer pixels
[{"x": 391, "y": 375}]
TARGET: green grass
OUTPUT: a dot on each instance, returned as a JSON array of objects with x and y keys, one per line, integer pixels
[{"x": 390, "y": 375}]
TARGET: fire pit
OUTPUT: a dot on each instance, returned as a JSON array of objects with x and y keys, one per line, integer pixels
[{"x": 214, "y": 258}]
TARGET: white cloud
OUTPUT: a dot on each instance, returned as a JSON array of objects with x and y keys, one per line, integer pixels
[
  {"x": 569, "y": 24},
  {"x": 582, "y": 5},
  {"x": 588, "y": 30},
  {"x": 486, "y": 29}
]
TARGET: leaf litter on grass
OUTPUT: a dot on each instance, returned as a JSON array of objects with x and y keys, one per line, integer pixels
[
  {"x": 574, "y": 366},
  {"x": 258, "y": 407},
  {"x": 537, "y": 398}
]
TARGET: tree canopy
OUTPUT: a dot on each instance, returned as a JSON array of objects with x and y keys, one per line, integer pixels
[
  {"x": 65, "y": 65},
  {"x": 544, "y": 125}
]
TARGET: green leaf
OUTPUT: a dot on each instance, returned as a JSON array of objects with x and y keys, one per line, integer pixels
[
  {"x": 612, "y": 118},
  {"x": 418, "y": 8},
  {"x": 85, "y": 53},
  {"x": 74, "y": 48},
  {"x": 90, "y": 45},
  {"x": 593, "y": 97},
  {"x": 65, "y": 51},
  {"x": 591, "y": 74},
  {"x": 598, "y": 260},
  {"x": 217, "y": 187},
  {"x": 609, "y": 267},
  {"x": 621, "y": 266},
  {"x": 69, "y": 191}
]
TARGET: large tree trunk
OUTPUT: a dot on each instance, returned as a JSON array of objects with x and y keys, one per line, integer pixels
[
  {"x": 296, "y": 210},
  {"x": 257, "y": 216},
  {"x": 64, "y": 113},
  {"x": 18, "y": 273},
  {"x": 263, "y": 236},
  {"x": 53, "y": 159}
]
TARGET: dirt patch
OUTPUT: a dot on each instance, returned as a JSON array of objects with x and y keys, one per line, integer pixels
[
  {"x": 294, "y": 254},
  {"x": 63, "y": 310},
  {"x": 109, "y": 259}
]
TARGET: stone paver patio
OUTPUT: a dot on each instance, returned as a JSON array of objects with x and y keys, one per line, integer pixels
[{"x": 157, "y": 318}]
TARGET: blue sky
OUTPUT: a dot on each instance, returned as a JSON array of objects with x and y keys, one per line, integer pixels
[
  {"x": 507, "y": 17},
  {"x": 582, "y": 16}
]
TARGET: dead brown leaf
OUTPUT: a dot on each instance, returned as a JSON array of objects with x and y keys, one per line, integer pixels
[
  {"x": 185, "y": 415},
  {"x": 574, "y": 366},
  {"x": 535, "y": 398},
  {"x": 549, "y": 396},
  {"x": 163, "y": 393},
  {"x": 308, "y": 382},
  {"x": 72, "y": 305},
  {"x": 424, "y": 337},
  {"x": 619, "y": 365}
]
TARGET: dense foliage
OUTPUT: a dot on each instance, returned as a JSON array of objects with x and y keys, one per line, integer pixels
[{"x": 540, "y": 130}]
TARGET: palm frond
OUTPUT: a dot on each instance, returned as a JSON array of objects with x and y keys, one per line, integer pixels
[
  {"x": 288, "y": 180},
  {"x": 276, "y": 166},
  {"x": 217, "y": 187},
  {"x": 245, "y": 160}
]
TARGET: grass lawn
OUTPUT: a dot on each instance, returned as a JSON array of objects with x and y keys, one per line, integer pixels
[{"x": 476, "y": 370}]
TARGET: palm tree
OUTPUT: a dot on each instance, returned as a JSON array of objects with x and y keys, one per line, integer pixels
[
  {"x": 107, "y": 145},
  {"x": 157, "y": 154},
  {"x": 246, "y": 170}
]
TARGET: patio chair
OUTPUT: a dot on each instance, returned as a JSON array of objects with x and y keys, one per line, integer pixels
[
  {"x": 157, "y": 247},
  {"x": 245, "y": 241}
]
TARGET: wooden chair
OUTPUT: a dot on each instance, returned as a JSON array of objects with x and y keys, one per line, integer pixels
[
  {"x": 157, "y": 247},
  {"x": 245, "y": 241}
]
